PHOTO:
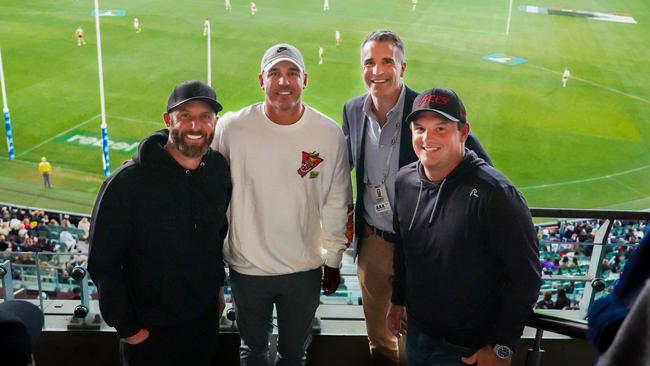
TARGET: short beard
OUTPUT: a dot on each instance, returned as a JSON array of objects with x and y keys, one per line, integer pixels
[{"x": 190, "y": 151}]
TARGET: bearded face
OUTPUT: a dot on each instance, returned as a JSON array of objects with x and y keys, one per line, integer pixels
[
  {"x": 191, "y": 128},
  {"x": 192, "y": 144}
]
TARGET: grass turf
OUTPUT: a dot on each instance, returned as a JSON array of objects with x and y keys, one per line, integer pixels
[{"x": 583, "y": 146}]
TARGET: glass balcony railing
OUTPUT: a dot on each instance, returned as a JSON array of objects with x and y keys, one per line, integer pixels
[{"x": 579, "y": 257}]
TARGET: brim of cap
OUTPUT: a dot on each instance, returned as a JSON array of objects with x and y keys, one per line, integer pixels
[
  {"x": 274, "y": 62},
  {"x": 413, "y": 114},
  {"x": 25, "y": 313},
  {"x": 213, "y": 103}
]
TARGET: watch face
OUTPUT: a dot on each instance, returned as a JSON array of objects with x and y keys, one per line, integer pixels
[{"x": 502, "y": 351}]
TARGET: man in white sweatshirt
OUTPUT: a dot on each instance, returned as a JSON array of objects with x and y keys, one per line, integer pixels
[{"x": 289, "y": 209}]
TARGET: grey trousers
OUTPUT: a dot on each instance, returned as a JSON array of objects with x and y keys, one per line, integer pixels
[
  {"x": 296, "y": 297},
  {"x": 46, "y": 180}
]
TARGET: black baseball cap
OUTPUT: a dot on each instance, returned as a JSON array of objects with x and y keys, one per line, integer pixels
[
  {"x": 193, "y": 90},
  {"x": 21, "y": 323},
  {"x": 442, "y": 101}
]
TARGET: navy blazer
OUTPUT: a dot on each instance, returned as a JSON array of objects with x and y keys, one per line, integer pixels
[{"x": 354, "y": 127}]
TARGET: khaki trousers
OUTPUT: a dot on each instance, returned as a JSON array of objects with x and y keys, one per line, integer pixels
[{"x": 375, "y": 272}]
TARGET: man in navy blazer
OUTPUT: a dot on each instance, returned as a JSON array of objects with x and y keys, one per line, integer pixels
[{"x": 379, "y": 143}]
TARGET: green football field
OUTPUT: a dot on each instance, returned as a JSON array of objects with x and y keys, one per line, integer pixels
[{"x": 585, "y": 146}]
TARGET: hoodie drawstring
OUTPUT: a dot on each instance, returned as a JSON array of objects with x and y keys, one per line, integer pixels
[
  {"x": 416, "y": 206},
  {"x": 435, "y": 205}
]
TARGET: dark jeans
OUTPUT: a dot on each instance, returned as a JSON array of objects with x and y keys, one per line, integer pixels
[
  {"x": 296, "y": 297},
  {"x": 424, "y": 350},
  {"x": 193, "y": 343}
]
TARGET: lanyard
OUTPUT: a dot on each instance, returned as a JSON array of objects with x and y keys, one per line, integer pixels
[{"x": 393, "y": 142}]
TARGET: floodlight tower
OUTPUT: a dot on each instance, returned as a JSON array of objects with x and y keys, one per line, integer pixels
[
  {"x": 104, "y": 126},
  {"x": 209, "y": 53},
  {"x": 5, "y": 111}
]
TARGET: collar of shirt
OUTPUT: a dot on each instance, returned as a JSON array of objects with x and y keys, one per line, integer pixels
[{"x": 395, "y": 113}]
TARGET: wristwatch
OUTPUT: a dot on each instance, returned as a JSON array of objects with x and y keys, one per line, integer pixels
[{"x": 502, "y": 351}]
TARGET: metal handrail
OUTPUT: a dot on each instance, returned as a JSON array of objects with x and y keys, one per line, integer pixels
[
  {"x": 558, "y": 324},
  {"x": 543, "y": 321},
  {"x": 589, "y": 213}
]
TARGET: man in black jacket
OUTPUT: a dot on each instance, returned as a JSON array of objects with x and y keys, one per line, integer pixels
[
  {"x": 157, "y": 234},
  {"x": 379, "y": 143},
  {"x": 466, "y": 260}
]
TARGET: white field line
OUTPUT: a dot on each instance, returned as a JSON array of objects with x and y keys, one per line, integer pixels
[
  {"x": 509, "y": 17},
  {"x": 578, "y": 181},
  {"x": 81, "y": 124},
  {"x": 161, "y": 124},
  {"x": 627, "y": 203},
  {"x": 56, "y": 136},
  {"x": 627, "y": 186},
  {"x": 632, "y": 96}
]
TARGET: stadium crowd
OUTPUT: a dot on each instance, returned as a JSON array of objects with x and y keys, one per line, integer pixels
[
  {"x": 566, "y": 248},
  {"x": 60, "y": 240},
  {"x": 25, "y": 230}
]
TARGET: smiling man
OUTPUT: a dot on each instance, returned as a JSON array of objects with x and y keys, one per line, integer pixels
[
  {"x": 157, "y": 234},
  {"x": 289, "y": 209},
  {"x": 379, "y": 143},
  {"x": 466, "y": 261}
]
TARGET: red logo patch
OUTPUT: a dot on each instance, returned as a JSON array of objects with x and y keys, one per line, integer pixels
[
  {"x": 434, "y": 98},
  {"x": 309, "y": 162}
]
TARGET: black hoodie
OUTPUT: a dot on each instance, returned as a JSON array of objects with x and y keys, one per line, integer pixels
[
  {"x": 156, "y": 237},
  {"x": 466, "y": 261}
]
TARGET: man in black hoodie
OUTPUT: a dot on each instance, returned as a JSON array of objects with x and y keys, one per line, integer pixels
[
  {"x": 157, "y": 234},
  {"x": 466, "y": 260},
  {"x": 379, "y": 144}
]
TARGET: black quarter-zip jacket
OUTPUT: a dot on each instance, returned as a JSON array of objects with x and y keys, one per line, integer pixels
[
  {"x": 466, "y": 261},
  {"x": 156, "y": 239}
]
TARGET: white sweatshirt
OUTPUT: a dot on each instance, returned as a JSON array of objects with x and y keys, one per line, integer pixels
[{"x": 287, "y": 204}]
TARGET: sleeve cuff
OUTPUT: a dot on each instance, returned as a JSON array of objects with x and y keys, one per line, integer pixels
[
  {"x": 127, "y": 330},
  {"x": 333, "y": 259}
]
